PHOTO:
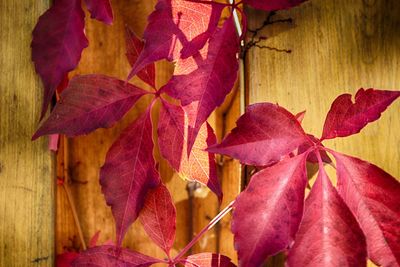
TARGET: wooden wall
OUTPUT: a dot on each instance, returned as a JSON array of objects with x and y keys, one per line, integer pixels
[{"x": 26, "y": 168}]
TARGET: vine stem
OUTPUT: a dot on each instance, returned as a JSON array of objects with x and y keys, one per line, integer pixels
[
  {"x": 210, "y": 225},
  {"x": 70, "y": 199}
]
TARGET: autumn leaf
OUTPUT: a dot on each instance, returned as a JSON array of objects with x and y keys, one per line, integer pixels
[{"x": 100, "y": 10}]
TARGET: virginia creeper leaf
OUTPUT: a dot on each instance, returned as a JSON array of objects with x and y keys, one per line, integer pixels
[
  {"x": 65, "y": 259},
  {"x": 268, "y": 212},
  {"x": 100, "y": 10},
  {"x": 134, "y": 47},
  {"x": 158, "y": 217},
  {"x": 272, "y": 5},
  {"x": 112, "y": 256},
  {"x": 329, "y": 235},
  {"x": 129, "y": 173},
  {"x": 346, "y": 118},
  {"x": 172, "y": 26},
  {"x": 263, "y": 135},
  {"x": 373, "y": 196},
  {"x": 172, "y": 134},
  {"x": 213, "y": 73},
  {"x": 57, "y": 44},
  {"x": 90, "y": 102},
  {"x": 207, "y": 260}
]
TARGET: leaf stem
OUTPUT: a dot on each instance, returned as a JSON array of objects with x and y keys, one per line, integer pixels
[{"x": 210, "y": 225}]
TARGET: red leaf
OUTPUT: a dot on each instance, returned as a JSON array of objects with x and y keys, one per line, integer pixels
[
  {"x": 57, "y": 43},
  {"x": 134, "y": 47},
  {"x": 272, "y": 5},
  {"x": 207, "y": 260},
  {"x": 263, "y": 135},
  {"x": 204, "y": 80},
  {"x": 100, "y": 10},
  {"x": 329, "y": 235},
  {"x": 129, "y": 173},
  {"x": 172, "y": 26},
  {"x": 268, "y": 213},
  {"x": 346, "y": 118},
  {"x": 93, "y": 241},
  {"x": 66, "y": 259},
  {"x": 158, "y": 217},
  {"x": 90, "y": 102},
  {"x": 111, "y": 256},
  {"x": 172, "y": 134},
  {"x": 312, "y": 157},
  {"x": 373, "y": 196}
]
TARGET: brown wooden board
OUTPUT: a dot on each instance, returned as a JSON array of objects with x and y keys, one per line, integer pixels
[{"x": 26, "y": 168}]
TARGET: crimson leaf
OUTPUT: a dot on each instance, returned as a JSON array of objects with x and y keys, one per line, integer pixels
[
  {"x": 158, "y": 217},
  {"x": 172, "y": 26},
  {"x": 263, "y": 135},
  {"x": 207, "y": 260},
  {"x": 346, "y": 118},
  {"x": 271, "y": 5},
  {"x": 100, "y": 10},
  {"x": 204, "y": 80},
  {"x": 134, "y": 47},
  {"x": 112, "y": 256},
  {"x": 129, "y": 172},
  {"x": 268, "y": 213},
  {"x": 57, "y": 44},
  {"x": 90, "y": 102},
  {"x": 373, "y": 196},
  {"x": 65, "y": 259},
  {"x": 172, "y": 134},
  {"x": 329, "y": 235}
]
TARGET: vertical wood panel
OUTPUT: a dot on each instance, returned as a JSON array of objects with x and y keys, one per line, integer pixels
[
  {"x": 337, "y": 47},
  {"x": 26, "y": 168}
]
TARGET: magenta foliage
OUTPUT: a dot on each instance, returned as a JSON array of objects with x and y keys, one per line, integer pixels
[{"x": 100, "y": 10}]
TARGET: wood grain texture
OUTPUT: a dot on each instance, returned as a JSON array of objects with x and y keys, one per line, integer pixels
[
  {"x": 26, "y": 168},
  {"x": 337, "y": 47}
]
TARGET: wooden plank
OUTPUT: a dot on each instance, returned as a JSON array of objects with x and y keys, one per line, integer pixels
[
  {"x": 337, "y": 47},
  {"x": 26, "y": 168}
]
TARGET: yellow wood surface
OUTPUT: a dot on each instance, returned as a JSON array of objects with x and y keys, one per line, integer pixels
[
  {"x": 337, "y": 47},
  {"x": 26, "y": 168}
]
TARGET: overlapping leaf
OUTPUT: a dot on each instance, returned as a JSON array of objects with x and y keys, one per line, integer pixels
[
  {"x": 65, "y": 259},
  {"x": 129, "y": 173},
  {"x": 272, "y": 5},
  {"x": 329, "y": 235},
  {"x": 173, "y": 26},
  {"x": 373, "y": 196},
  {"x": 134, "y": 47},
  {"x": 346, "y": 118},
  {"x": 112, "y": 256},
  {"x": 204, "y": 80},
  {"x": 100, "y": 10},
  {"x": 268, "y": 213},
  {"x": 263, "y": 135},
  {"x": 158, "y": 217},
  {"x": 90, "y": 102},
  {"x": 57, "y": 43},
  {"x": 207, "y": 260},
  {"x": 172, "y": 134}
]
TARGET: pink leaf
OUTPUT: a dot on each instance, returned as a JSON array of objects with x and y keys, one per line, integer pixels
[
  {"x": 129, "y": 173},
  {"x": 111, "y": 256},
  {"x": 158, "y": 217},
  {"x": 95, "y": 238},
  {"x": 172, "y": 26},
  {"x": 57, "y": 43},
  {"x": 100, "y": 10},
  {"x": 272, "y": 5},
  {"x": 373, "y": 196},
  {"x": 172, "y": 134},
  {"x": 204, "y": 80},
  {"x": 329, "y": 235},
  {"x": 263, "y": 135},
  {"x": 346, "y": 118},
  {"x": 312, "y": 157},
  {"x": 65, "y": 259},
  {"x": 134, "y": 47},
  {"x": 90, "y": 102},
  {"x": 207, "y": 260},
  {"x": 267, "y": 214}
]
